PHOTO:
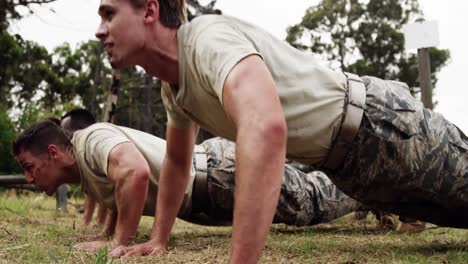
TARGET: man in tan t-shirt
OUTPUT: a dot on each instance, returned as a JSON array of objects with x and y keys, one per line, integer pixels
[
  {"x": 70, "y": 122},
  {"x": 120, "y": 168},
  {"x": 372, "y": 138}
]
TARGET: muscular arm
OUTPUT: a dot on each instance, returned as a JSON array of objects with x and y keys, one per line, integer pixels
[
  {"x": 173, "y": 180},
  {"x": 89, "y": 205},
  {"x": 129, "y": 171},
  {"x": 108, "y": 229},
  {"x": 109, "y": 223},
  {"x": 101, "y": 215},
  {"x": 251, "y": 102}
]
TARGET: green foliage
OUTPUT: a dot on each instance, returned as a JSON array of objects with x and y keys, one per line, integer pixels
[
  {"x": 364, "y": 37},
  {"x": 8, "y": 164},
  {"x": 102, "y": 258},
  {"x": 9, "y": 11},
  {"x": 30, "y": 114},
  {"x": 15, "y": 207},
  {"x": 10, "y": 51},
  {"x": 38, "y": 84},
  {"x": 26, "y": 73},
  {"x": 74, "y": 191},
  {"x": 81, "y": 72},
  {"x": 35, "y": 84}
]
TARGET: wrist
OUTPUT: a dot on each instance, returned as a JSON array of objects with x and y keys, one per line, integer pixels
[
  {"x": 120, "y": 240},
  {"x": 156, "y": 240},
  {"x": 115, "y": 243},
  {"x": 106, "y": 232}
]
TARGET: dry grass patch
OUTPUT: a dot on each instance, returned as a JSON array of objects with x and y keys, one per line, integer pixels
[{"x": 31, "y": 231}]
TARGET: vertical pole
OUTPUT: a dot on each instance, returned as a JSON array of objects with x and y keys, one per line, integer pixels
[
  {"x": 61, "y": 198},
  {"x": 111, "y": 102},
  {"x": 425, "y": 77},
  {"x": 97, "y": 80},
  {"x": 147, "y": 113}
]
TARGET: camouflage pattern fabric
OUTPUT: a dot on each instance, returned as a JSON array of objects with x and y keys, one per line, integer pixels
[
  {"x": 305, "y": 199},
  {"x": 406, "y": 159}
]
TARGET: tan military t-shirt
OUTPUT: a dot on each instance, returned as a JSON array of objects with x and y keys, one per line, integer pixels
[
  {"x": 92, "y": 146},
  {"x": 311, "y": 94}
]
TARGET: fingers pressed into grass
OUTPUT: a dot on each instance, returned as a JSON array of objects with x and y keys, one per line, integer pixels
[{"x": 92, "y": 245}]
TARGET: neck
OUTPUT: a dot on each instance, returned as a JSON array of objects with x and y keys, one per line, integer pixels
[
  {"x": 75, "y": 176},
  {"x": 71, "y": 169},
  {"x": 160, "y": 56}
]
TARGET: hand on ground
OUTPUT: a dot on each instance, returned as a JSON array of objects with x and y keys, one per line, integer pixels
[
  {"x": 95, "y": 245},
  {"x": 147, "y": 248},
  {"x": 99, "y": 236}
]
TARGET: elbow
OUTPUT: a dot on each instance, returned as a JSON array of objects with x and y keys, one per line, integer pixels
[
  {"x": 278, "y": 129},
  {"x": 275, "y": 132},
  {"x": 141, "y": 177},
  {"x": 132, "y": 183}
]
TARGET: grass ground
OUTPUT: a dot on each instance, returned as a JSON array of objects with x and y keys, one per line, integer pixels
[{"x": 31, "y": 231}]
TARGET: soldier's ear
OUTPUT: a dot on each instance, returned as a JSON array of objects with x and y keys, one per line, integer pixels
[
  {"x": 151, "y": 11},
  {"x": 53, "y": 151}
]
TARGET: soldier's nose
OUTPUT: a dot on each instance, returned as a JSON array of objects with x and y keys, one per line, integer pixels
[{"x": 29, "y": 178}]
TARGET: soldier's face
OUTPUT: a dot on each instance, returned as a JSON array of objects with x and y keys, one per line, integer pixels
[
  {"x": 122, "y": 31},
  {"x": 40, "y": 170}
]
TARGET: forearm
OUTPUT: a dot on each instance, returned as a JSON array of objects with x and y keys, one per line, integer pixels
[
  {"x": 172, "y": 185},
  {"x": 260, "y": 157},
  {"x": 89, "y": 205},
  {"x": 130, "y": 200},
  {"x": 109, "y": 222},
  {"x": 101, "y": 215}
]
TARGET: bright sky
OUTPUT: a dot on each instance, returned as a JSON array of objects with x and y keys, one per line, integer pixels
[{"x": 75, "y": 21}]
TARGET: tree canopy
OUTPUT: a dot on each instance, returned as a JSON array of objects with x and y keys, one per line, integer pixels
[
  {"x": 9, "y": 10},
  {"x": 36, "y": 83},
  {"x": 364, "y": 37}
]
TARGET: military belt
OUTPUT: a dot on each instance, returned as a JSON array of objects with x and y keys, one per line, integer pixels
[
  {"x": 350, "y": 122},
  {"x": 200, "y": 200}
]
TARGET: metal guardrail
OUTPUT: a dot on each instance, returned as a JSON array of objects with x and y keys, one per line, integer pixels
[
  {"x": 18, "y": 181},
  {"x": 12, "y": 179}
]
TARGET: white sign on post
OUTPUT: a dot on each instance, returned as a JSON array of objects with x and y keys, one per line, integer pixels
[{"x": 421, "y": 35}]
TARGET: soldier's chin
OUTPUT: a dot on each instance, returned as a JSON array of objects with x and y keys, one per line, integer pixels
[
  {"x": 115, "y": 64},
  {"x": 49, "y": 192}
]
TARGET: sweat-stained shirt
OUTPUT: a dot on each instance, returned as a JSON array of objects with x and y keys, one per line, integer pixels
[
  {"x": 312, "y": 95},
  {"x": 92, "y": 146}
]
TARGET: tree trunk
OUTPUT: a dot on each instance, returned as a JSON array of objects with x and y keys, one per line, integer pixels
[{"x": 425, "y": 77}]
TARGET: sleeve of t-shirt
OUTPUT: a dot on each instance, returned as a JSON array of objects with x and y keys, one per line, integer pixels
[
  {"x": 175, "y": 116},
  {"x": 99, "y": 144},
  {"x": 216, "y": 51}
]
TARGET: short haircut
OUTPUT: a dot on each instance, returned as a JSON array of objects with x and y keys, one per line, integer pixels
[
  {"x": 80, "y": 118},
  {"x": 39, "y": 136},
  {"x": 172, "y": 13},
  {"x": 53, "y": 119}
]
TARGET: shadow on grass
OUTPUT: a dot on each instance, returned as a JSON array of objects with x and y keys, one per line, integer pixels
[
  {"x": 376, "y": 246},
  {"x": 329, "y": 229},
  {"x": 433, "y": 247}
]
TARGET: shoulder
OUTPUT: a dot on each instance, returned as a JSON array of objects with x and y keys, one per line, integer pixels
[
  {"x": 97, "y": 134},
  {"x": 207, "y": 25},
  {"x": 94, "y": 128},
  {"x": 199, "y": 23}
]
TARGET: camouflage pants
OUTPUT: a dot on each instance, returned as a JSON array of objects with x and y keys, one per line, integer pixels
[
  {"x": 406, "y": 159},
  {"x": 305, "y": 199}
]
